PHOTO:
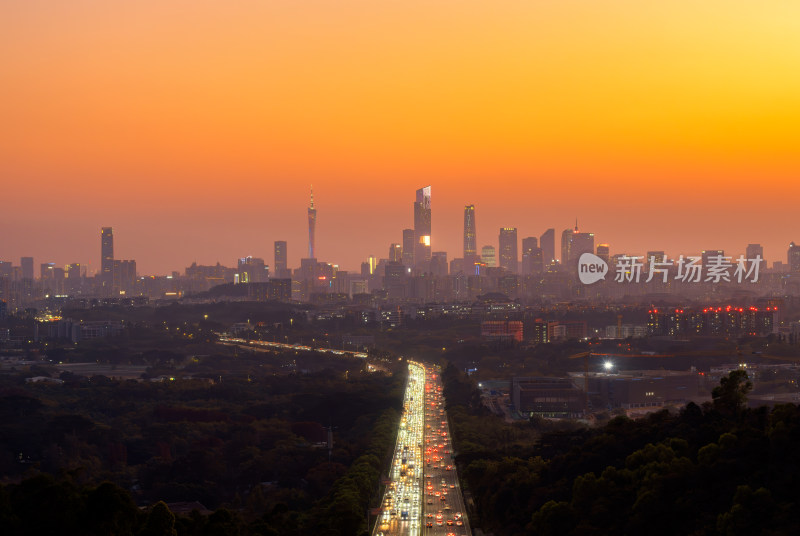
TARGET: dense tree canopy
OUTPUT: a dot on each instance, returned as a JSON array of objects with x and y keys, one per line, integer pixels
[{"x": 717, "y": 470}]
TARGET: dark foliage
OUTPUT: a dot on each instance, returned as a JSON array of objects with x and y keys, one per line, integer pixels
[{"x": 717, "y": 470}]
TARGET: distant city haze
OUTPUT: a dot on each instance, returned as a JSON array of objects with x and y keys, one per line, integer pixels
[{"x": 196, "y": 130}]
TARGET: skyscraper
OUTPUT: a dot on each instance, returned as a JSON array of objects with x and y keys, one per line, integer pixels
[
  {"x": 754, "y": 250},
  {"x": 531, "y": 256},
  {"x": 312, "y": 226},
  {"x": 395, "y": 253},
  {"x": 488, "y": 256},
  {"x": 252, "y": 270},
  {"x": 439, "y": 263},
  {"x": 408, "y": 247},
  {"x": 707, "y": 254},
  {"x": 107, "y": 256},
  {"x": 575, "y": 243},
  {"x": 27, "y": 267},
  {"x": 509, "y": 256},
  {"x": 793, "y": 257},
  {"x": 604, "y": 251},
  {"x": 548, "y": 244},
  {"x": 470, "y": 245},
  {"x": 581, "y": 243},
  {"x": 422, "y": 228},
  {"x": 281, "y": 263},
  {"x": 566, "y": 244}
]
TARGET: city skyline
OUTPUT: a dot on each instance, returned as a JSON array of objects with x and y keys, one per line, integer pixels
[
  {"x": 278, "y": 248},
  {"x": 667, "y": 127}
]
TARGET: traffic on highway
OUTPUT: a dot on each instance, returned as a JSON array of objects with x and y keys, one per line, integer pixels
[{"x": 423, "y": 494}]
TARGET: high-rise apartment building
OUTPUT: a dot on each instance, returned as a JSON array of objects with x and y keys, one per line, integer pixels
[
  {"x": 509, "y": 257},
  {"x": 281, "y": 260},
  {"x": 422, "y": 228},
  {"x": 470, "y": 236},
  {"x": 312, "y": 227},
  {"x": 548, "y": 244}
]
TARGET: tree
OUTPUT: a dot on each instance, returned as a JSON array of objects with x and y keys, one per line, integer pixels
[
  {"x": 110, "y": 510},
  {"x": 730, "y": 396},
  {"x": 160, "y": 521}
]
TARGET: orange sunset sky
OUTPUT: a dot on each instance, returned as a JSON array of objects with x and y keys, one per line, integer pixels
[{"x": 195, "y": 128}]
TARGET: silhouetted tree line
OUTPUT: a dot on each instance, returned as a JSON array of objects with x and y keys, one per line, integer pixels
[
  {"x": 719, "y": 469},
  {"x": 245, "y": 448}
]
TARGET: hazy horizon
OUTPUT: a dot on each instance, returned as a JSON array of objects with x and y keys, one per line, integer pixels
[{"x": 195, "y": 130}]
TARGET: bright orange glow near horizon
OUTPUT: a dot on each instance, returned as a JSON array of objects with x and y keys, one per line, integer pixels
[{"x": 195, "y": 129}]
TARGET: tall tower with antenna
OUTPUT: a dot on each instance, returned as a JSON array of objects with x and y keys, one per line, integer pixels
[{"x": 312, "y": 225}]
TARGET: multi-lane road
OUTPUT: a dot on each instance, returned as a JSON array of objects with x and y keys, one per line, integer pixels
[{"x": 423, "y": 496}]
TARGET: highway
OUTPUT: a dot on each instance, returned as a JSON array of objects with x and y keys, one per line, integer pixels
[
  {"x": 423, "y": 496},
  {"x": 286, "y": 346},
  {"x": 443, "y": 508}
]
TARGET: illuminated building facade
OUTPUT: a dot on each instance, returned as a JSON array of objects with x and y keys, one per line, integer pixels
[
  {"x": 488, "y": 256},
  {"x": 470, "y": 237},
  {"x": 396, "y": 253},
  {"x": 252, "y": 270},
  {"x": 106, "y": 256},
  {"x": 312, "y": 227},
  {"x": 422, "y": 228}
]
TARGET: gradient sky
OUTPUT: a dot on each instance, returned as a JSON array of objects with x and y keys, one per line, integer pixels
[{"x": 195, "y": 128}]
